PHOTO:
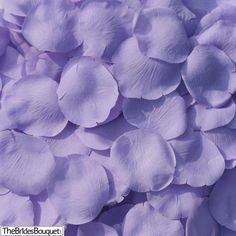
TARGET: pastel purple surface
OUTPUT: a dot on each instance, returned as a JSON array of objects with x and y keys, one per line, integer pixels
[{"x": 118, "y": 117}]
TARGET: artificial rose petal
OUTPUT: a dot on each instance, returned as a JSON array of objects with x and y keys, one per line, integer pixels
[
  {"x": 222, "y": 35},
  {"x": 225, "y": 140},
  {"x": 26, "y": 162},
  {"x": 102, "y": 136},
  {"x": 144, "y": 159},
  {"x": 103, "y": 22},
  {"x": 204, "y": 118},
  {"x": 142, "y": 219},
  {"x": 118, "y": 186},
  {"x": 3, "y": 190},
  {"x": 98, "y": 229},
  {"x": 207, "y": 76},
  {"x": 161, "y": 25},
  {"x": 189, "y": 18},
  {"x": 31, "y": 106},
  {"x": 176, "y": 201},
  {"x": 87, "y": 92},
  {"x": 227, "y": 232},
  {"x": 4, "y": 39},
  {"x": 44, "y": 211},
  {"x": 66, "y": 143},
  {"x": 200, "y": 222},
  {"x": 16, "y": 210},
  {"x": 194, "y": 155},
  {"x": 141, "y": 77},
  {"x": 78, "y": 189},
  {"x": 11, "y": 63},
  {"x": 45, "y": 18},
  {"x": 156, "y": 116},
  {"x": 221, "y": 200}
]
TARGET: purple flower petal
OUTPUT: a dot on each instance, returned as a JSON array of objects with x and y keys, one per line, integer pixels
[
  {"x": 66, "y": 143},
  {"x": 41, "y": 26},
  {"x": 222, "y": 35},
  {"x": 176, "y": 201},
  {"x": 3, "y": 190},
  {"x": 221, "y": 200},
  {"x": 36, "y": 111},
  {"x": 98, "y": 229},
  {"x": 139, "y": 76},
  {"x": 103, "y": 22},
  {"x": 87, "y": 92},
  {"x": 156, "y": 116},
  {"x": 144, "y": 159},
  {"x": 44, "y": 211},
  {"x": 102, "y": 136},
  {"x": 194, "y": 155},
  {"x": 227, "y": 232},
  {"x": 204, "y": 118},
  {"x": 26, "y": 163},
  {"x": 78, "y": 189},
  {"x": 225, "y": 140},
  {"x": 207, "y": 75},
  {"x": 161, "y": 25},
  {"x": 16, "y": 210},
  {"x": 142, "y": 219},
  {"x": 200, "y": 222},
  {"x": 4, "y": 39}
]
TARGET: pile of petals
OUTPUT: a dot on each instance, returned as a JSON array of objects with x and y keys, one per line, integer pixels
[{"x": 118, "y": 117}]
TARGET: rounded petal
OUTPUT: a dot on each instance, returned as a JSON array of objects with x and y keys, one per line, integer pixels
[
  {"x": 161, "y": 25},
  {"x": 26, "y": 162},
  {"x": 98, "y": 229},
  {"x": 210, "y": 118},
  {"x": 144, "y": 159},
  {"x": 230, "y": 164},
  {"x": 16, "y": 210},
  {"x": 87, "y": 92},
  {"x": 41, "y": 26},
  {"x": 102, "y": 136},
  {"x": 176, "y": 201},
  {"x": 221, "y": 200},
  {"x": 222, "y": 35},
  {"x": 78, "y": 189},
  {"x": 66, "y": 143},
  {"x": 200, "y": 222},
  {"x": 3, "y": 190},
  {"x": 194, "y": 155},
  {"x": 45, "y": 214},
  {"x": 142, "y": 219},
  {"x": 227, "y": 232},
  {"x": 225, "y": 139},
  {"x": 103, "y": 22},
  {"x": 207, "y": 75},
  {"x": 156, "y": 116},
  {"x": 139, "y": 76},
  {"x": 36, "y": 111}
]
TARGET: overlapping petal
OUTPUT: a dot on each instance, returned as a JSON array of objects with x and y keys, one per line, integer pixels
[
  {"x": 144, "y": 159},
  {"x": 45, "y": 19},
  {"x": 152, "y": 223},
  {"x": 16, "y": 210},
  {"x": 176, "y": 201},
  {"x": 141, "y": 77},
  {"x": 194, "y": 155},
  {"x": 208, "y": 76},
  {"x": 221, "y": 200},
  {"x": 26, "y": 163},
  {"x": 204, "y": 118},
  {"x": 104, "y": 22},
  {"x": 200, "y": 222},
  {"x": 78, "y": 189},
  {"x": 161, "y": 25},
  {"x": 87, "y": 92},
  {"x": 102, "y": 136},
  {"x": 225, "y": 139},
  {"x": 4, "y": 39},
  {"x": 31, "y": 106},
  {"x": 157, "y": 115}
]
